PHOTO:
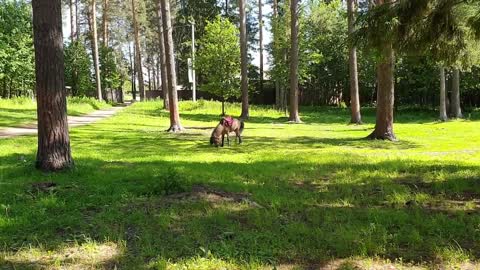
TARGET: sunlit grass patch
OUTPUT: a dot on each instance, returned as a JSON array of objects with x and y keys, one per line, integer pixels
[
  {"x": 199, "y": 263},
  {"x": 291, "y": 196},
  {"x": 23, "y": 110},
  {"x": 89, "y": 255}
]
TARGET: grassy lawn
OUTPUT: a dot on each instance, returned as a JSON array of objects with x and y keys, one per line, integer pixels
[
  {"x": 20, "y": 111},
  {"x": 292, "y": 196}
]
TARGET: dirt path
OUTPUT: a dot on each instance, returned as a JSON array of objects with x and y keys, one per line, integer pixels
[{"x": 73, "y": 121}]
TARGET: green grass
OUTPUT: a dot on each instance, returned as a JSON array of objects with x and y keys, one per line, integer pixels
[
  {"x": 292, "y": 196},
  {"x": 20, "y": 111}
]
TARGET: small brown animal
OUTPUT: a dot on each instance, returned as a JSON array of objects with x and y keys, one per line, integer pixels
[{"x": 225, "y": 127}]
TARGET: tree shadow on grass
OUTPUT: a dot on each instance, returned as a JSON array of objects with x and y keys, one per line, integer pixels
[
  {"x": 310, "y": 212},
  {"x": 15, "y": 117},
  {"x": 156, "y": 142},
  {"x": 320, "y": 142}
]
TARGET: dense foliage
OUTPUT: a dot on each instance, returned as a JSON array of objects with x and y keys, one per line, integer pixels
[
  {"x": 77, "y": 69},
  {"x": 420, "y": 48},
  {"x": 217, "y": 60},
  {"x": 16, "y": 49},
  {"x": 114, "y": 74},
  {"x": 324, "y": 55}
]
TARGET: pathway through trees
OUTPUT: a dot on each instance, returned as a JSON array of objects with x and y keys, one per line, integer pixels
[{"x": 73, "y": 121}]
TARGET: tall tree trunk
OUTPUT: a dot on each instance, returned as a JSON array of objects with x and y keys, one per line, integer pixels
[
  {"x": 244, "y": 59},
  {"x": 162, "y": 58},
  {"x": 73, "y": 24},
  {"x": 149, "y": 77},
  {"x": 278, "y": 94},
  {"x": 356, "y": 117},
  {"x": 260, "y": 41},
  {"x": 456, "y": 107},
  {"x": 171, "y": 72},
  {"x": 77, "y": 21},
  {"x": 53, "y": 137},
  {"x": 385, "y": 91},
  {"x": 294, "y": 25},
  {"x": 223, "y": 103},
  {"x": 93, "y": 27},
  {"x": 443, "y": 103},
  {"x": 138, "y": 55},
  {"x": 154, "y": 74},
  {"x": 385, "y": 96},
  {"x": 4, "y": 92},
  {"x": 158, "y": 74},
  {"x": 132, "y": 67},
  {"x": 105, "y": 21},
  {"x": 73, "y": 38}
]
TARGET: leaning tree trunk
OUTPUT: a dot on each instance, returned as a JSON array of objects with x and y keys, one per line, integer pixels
[
  {"x": 138, "y": 55},
  {"x": 294, "y": 117},
  {"x": 456, "y": 108},
  {"x": 163, "y": 61},
  {"x": 356, "y": 117},
  {"x": 385, "y": 96},
  {"x": 171, "y": 74},
  {"x": 443, "y": 96},
  {"x": 53, "y": 137},
  {"x": 93, "y": 24},
  {"x": 244, "y": 59}
]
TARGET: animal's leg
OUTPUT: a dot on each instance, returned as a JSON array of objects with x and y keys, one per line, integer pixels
[
  {"x": 228, "y": 139},
  {"x": 237, "y": 135},
  {"x": 223, "y": 139}
]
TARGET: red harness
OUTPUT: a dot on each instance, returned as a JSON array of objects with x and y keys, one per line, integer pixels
[{"x": 228, "y": 121}]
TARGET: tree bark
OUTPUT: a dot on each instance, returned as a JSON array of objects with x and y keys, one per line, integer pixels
[
  {"x": 385, "y": 96},
  {"x": 294, "y": 25},
  {"x": 4, "y": 92},
  {"x": 162, "y": 58},
  {"x": 154, "y": 74},
  {"x": 73, "y": 24},
  {"x": 53, "y": 152},
  {"x": 260, "y": 41},
  {"x": 132, "y": 67},
  {"x": 77, "y": 21},
  {"x": 138, "y": 55},
  {"x": 149, "y": 77},
  {"x": 456, "y": 108},
  {"x": 356, "y": 117},
  {"x": 244, "y": 60},
  {"x": 94, "y": 36},
  {"x": 443, "y": 103},
  {"x": 105, "y": 23},
  {"x": 223, "y": 103},
  {"x": 175, "y": 125},
  {"x": 159, "y": 74},
  {"x": 278, "y": 95}
]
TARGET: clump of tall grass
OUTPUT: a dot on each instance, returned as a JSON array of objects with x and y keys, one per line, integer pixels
[
  {"x": 17, "y": 102},
  {"x": 94, "y": 103}
]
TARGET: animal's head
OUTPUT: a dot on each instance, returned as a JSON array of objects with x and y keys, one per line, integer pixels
[
  {"x": 222, "y": 121},
  {"x": 215, "y": 138}
]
